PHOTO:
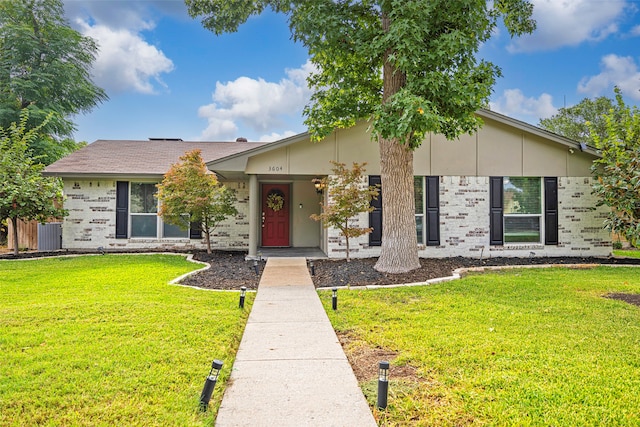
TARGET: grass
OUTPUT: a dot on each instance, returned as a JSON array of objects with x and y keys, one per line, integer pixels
[
  {"x": 525, "y": 347},
  {"x": 105, "y": 340},
  {"x": 633, "y": 253}
]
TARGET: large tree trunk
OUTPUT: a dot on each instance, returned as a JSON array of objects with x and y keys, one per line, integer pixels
[{"x": 399, "y": 251}]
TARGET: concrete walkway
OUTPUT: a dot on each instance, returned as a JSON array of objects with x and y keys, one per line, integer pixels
[{"x": 290, "y": 369}]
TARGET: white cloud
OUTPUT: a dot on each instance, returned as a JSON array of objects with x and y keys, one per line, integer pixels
[
  {"x": 125, "y": 60},
  {"x": 570, "y": 22},
  {"x": 514, "y": 103},
  {"x": 274, "y": 136},
  {"x": 124, "y": 14},
  {"x": 255, "y": 104},
  {"x": 621, "y": 71}
]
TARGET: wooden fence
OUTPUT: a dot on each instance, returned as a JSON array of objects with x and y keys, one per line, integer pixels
[{"x": 27, "y": 235}]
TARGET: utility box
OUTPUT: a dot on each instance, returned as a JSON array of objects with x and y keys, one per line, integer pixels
[{"x": 49, "y": 236}]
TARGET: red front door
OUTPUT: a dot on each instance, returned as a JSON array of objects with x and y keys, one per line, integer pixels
[{"x": 275, "y": 214}]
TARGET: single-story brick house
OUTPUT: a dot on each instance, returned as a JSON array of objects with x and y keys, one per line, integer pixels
[{"x": 507, "y": 190}]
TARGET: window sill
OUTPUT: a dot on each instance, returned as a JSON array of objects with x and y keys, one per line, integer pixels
[
  {"x": 523, "y": 246},
  {"x": 156, "y": 240}
]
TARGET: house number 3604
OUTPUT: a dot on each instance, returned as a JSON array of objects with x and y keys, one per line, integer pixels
[{"x": 275, "y": 168}]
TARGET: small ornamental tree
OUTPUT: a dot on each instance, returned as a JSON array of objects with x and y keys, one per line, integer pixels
[
  {"x": 347, "y": 198},
  {"x": 618, "y": 171},
  {"x": 24, "y": 193},
  {"x": 191, "y": 193}
]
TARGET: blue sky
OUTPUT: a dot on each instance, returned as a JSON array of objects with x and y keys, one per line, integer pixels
[{"x": 166, "y": 76}]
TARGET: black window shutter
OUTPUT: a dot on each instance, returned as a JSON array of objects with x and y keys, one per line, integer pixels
[
  {"x": 551, "y": 210},
  {"x": 194, "y": 231},
  {"x": 433, "y": 210},
  {"x": 122, "y": 209},
  {"x": 495, "y": 211},
  {"x": 375, "y": 216}
]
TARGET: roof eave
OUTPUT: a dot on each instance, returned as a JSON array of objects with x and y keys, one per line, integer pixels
[{"x": 85, "y": 176}]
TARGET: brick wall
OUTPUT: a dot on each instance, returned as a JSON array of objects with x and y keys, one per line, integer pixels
[
  {"x": 464, "y": 224},
  {"x": 91, "y": 221}
]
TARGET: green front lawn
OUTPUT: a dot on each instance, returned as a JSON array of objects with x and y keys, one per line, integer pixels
[
  {"x": 105, "y": 340},
  {"x": 633, "y": 253},
  {"x": 518, "y": 348}
]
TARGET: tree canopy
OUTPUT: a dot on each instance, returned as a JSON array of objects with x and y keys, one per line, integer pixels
[
  {"x": 618, "y": 171},
  {"x": 409, "y": 66},
  {"x": 191, "y": 194},
  {"x": 24, "y": 193},
  {"x": 45, "y": 68},
  {"x": 582, "y": 122}
]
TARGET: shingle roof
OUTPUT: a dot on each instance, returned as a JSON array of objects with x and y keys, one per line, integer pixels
[{"x": 112, "y": 157}]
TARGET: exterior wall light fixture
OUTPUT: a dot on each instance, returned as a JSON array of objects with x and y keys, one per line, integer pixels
[{"x": 319, "y": 185}]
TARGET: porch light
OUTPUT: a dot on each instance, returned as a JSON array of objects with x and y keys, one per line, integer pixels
[
  {"x": 334, "y": 299},
  {"x": 243, "y": 293},
  {"x": 383, "y": 384},
  {"x": 317, "y": 182},
  {"x": 210, "y": 383}
]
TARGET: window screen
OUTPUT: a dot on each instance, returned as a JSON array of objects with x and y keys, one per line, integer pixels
[{"x": 522, "y": 209}]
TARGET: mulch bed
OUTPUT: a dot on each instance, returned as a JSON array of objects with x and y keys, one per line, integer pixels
[
  {"x": 628, "y": 298},
  {"x": 229, "y": 270}
]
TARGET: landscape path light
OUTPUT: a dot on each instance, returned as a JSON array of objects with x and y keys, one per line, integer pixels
[
  {"x": 312, "y": 267},
  {"x": 383, "y": 384},
  {"x": 334, "y": 299},
  {"x": 243, "y": 293},
  {"x": 210, "y": 383}
]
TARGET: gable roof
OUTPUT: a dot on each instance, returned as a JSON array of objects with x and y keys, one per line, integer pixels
[
  {"x": 152, "y": 159},
  {"x": 108, "y": 158},
  {"x": 237, "y": 161}
]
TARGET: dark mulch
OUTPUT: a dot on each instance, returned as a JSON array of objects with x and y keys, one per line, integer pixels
[
  {"x": 628, "y": 298},
  {"x": 229, "y": 270}
]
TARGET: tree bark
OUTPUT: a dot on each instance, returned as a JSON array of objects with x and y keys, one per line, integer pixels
[
  {"x": 16, "y": 246},
  {"x": 207, "y": 236},
  {"x": 399, "y": 250},
  {"x": 346, "y": 236}
]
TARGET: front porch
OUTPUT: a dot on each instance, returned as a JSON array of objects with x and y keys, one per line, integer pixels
[{"x": 308, "y": 253}]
